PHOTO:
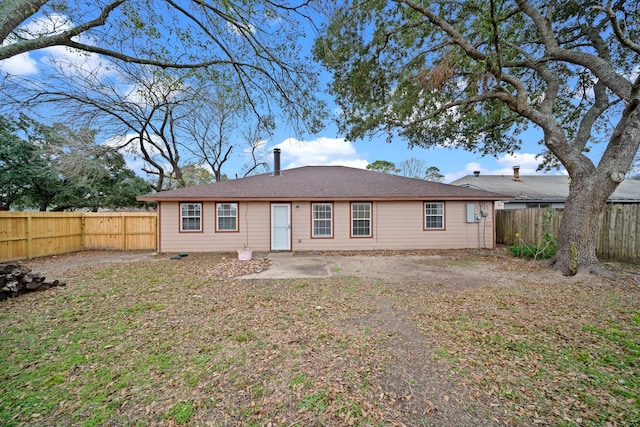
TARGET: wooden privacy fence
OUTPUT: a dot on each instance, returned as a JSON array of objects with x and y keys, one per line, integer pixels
[
  {"x": 35, "y": 234},
  {"x": 617, "y": 236}
]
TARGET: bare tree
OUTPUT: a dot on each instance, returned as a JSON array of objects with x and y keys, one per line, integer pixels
[
  {"x": 213, "y": 122},
  {"x": 252, "y": 42},
  {"x": 413, "y": 168},
  {"x": 255, "y": 138},
  {"x": 138, "y": 111},
  {"x": 168, "y": 119}
]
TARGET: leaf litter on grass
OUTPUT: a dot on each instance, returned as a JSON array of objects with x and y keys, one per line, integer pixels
[{"x": 184, "y": 343}]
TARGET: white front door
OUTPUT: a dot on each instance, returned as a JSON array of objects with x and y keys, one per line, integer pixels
[{"x": 280, "y": 227}]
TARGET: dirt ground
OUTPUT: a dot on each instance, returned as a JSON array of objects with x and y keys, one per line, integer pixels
[
  {"x": 57, "y": 266},
  {"x": 449, "y": 270},
  {"x": 421, "y": 384}
]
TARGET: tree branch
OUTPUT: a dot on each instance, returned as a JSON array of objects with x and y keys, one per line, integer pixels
[
  {"x": 450, "y": 105},
  {"x": 13, "y": 13},
  {"x": 63, "y": 38},
  {"x": 599, "y": 66},
  {"x": 522, "y": 102},
  {"x": 626, "y": 41}
]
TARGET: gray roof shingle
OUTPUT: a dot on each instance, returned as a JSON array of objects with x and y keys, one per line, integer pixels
[
  {"x": 542, "y": 187},
  {"x": 324, "y": 183}
]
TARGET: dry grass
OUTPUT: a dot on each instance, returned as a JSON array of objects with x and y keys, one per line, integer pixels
[{"x": 164, "y": 344}]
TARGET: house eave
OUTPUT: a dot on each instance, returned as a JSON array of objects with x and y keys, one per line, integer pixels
[
  {"x": 622, "y": 201},
  {"x": 320, "y": 199},
  {"x": 518, "y": 200}
]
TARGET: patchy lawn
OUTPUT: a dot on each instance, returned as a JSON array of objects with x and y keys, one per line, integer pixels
[{"x": 180, "y": 343}]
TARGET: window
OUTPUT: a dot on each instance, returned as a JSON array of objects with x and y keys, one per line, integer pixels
[
  {"x": 361, "y": 219},
  {"x": 227, "y": 216},
  {"x": 190, "y": 216},
  {"x": 434, "y": 216},
  {"x": 322, "y": 220}
]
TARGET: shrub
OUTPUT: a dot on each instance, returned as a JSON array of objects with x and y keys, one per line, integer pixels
[
  {"x": 522, "y": 250},
  {"x": 547, "y": 247}
]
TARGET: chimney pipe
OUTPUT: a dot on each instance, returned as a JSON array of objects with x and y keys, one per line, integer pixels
[
  {"x": 516, "y": 173},
  {"x": 276, "y": 162},
  {"x": 476, "y": 173}
]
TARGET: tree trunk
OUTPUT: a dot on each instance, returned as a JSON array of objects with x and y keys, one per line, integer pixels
[
  {"x": 577, "y": 237},
  {"x": 588, "y": 193}
]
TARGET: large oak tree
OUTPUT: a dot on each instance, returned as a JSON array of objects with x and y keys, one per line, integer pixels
[{"x": 475, "y": 74}]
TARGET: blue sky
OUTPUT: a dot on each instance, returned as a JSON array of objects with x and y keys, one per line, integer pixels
[{"x": 330, "y": 148}]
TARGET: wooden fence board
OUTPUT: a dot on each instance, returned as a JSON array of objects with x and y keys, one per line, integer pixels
[
  {"x": 34, "y": 234},
  {"x": 617, "y": 236}
]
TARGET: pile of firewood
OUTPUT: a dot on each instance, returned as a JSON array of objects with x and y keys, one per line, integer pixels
[{"x": 16, "y": 279}]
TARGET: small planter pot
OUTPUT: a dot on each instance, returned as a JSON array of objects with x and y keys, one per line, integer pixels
[{"x": 245, "y": 254}]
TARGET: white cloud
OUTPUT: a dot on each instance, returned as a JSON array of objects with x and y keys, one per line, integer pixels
[
  {"x": 321, "y": 151},
  {"x": 469, "y": 169},
  {"x": 131, "y": 150},
  {"x": 129, "y": 144},
  {"x": 240, "y": 30},
  {"x": 119, "y": 141},
  {"x": 528, "y": 163},
  {"x": 75, "y": 62},
  {"x": 135, "y": 164},
  {"x": 49, "y": 24},
  {"x": 20, "y": 65},
  {"x": 141, "y": 94},
  {"x": 472, "y": 167}
]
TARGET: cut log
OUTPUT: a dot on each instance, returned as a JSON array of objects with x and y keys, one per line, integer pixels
[
  {"x": 11, "y": 287},
  {"x": 16, "y": 279},
  {"x": 33, "y": 286},
  {"x": 7, "y": 268}
]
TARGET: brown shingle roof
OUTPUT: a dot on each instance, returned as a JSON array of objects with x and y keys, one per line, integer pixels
[{"x": 324, "y": 183}]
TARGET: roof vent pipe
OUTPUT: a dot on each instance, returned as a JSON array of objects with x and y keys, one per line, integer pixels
[
  {"x": 516, "y": 173},
  {"x": 276, "y": 162},
  {"x": 476, "y": 173}
]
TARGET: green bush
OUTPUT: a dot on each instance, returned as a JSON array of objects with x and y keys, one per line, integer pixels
[
  {"x": 547, "y": 247},
  {"x": 522, "y": 250}
]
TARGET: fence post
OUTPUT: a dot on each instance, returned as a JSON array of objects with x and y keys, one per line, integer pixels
[
  {"x": 124, "y": 232},
  {"x": 29, "y": 250},
  {"x": 82, "y": 232}
]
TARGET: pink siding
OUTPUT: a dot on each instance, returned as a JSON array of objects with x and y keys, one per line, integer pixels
[
  {"x": 396, "y": 225},
  {"x": 253, "y": 225}
]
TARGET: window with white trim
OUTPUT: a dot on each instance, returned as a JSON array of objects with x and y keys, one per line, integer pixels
[
  {"x": 361, "y": 219},
  {"x": 322, "y": 219},
  {"x": 190, "y": 216},
  {"x": 434, "y": 216},
  {"x": 227, "y": 217}
]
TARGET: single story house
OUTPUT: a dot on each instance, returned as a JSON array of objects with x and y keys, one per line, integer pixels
[
  {"x": 315, "y": 208},
  {"x": 539, "y": 191}
]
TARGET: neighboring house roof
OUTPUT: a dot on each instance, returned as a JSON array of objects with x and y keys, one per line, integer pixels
[
  {"x": 324, "y": 183},
  {"x": 548, "y": 188}
]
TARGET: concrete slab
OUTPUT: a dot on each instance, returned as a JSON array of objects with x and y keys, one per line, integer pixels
[{"x": 287, "y": 265}]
